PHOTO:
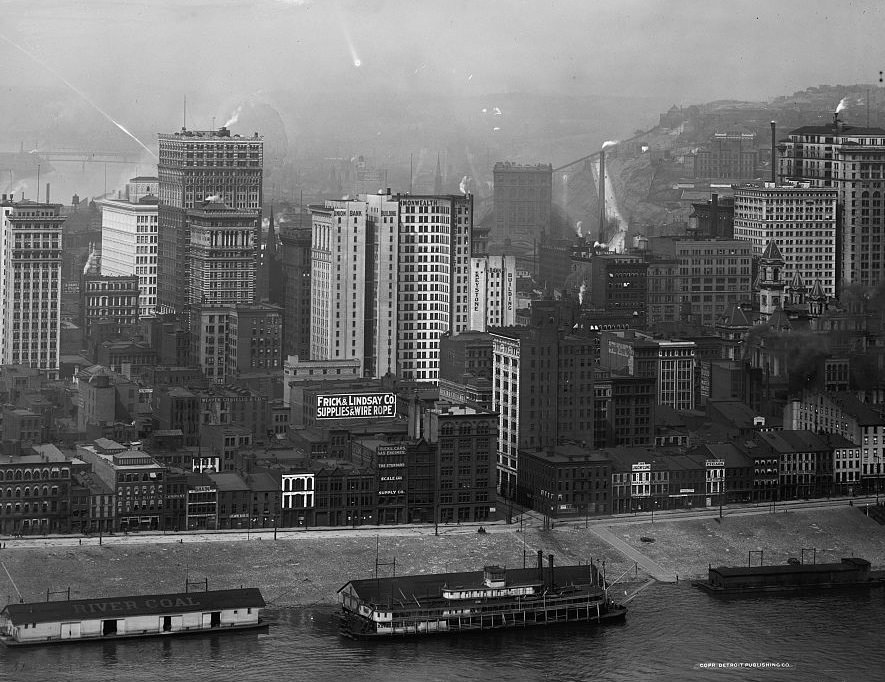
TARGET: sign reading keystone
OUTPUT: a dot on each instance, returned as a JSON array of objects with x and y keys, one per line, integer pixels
[{"x": 356, "y": 406}]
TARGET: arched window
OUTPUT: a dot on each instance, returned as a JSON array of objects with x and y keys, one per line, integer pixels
[{"x": 27, "y": 474}]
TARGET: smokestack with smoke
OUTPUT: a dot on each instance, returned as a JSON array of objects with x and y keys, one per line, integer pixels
[
  {"x": 602, "y": 214},
  {"x": 602, "y": 194}
]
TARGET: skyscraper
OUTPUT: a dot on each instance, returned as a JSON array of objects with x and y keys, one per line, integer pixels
[
  {"x": 30, "y": 284},
  {"x": 196, "y": 166},
  {"x": 802, "y": 221},
  {"x": 523, "y": 195},
  {"x": 850, "y": 160},
  {"x": 129, "y": 239},
  {"x": 390, "y": 275}
]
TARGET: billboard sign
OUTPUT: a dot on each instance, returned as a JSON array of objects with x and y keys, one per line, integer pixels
[{"x": 356, "y": 406}]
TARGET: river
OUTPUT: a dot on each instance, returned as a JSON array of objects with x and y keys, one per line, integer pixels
[{"x": 671, "y": 632}]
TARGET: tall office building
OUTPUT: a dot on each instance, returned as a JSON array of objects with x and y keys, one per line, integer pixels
[
  {"x": 389, "y": 276},
  {"x": 850, "y": 160},
  {"x": 30, "y": 284},
  {"x": 800, "y": 218},
  {"x": 701, "y": 277},
  {"x": 542, "y": 383},
  {"x": 434, "y": 265},
  {"x": 295, "y": 241},
  {"x": 523, "y": 200},
  {"x": 129, "y": 238},
  {"x": 221, "y": 254},
  {"x": 492, "y": 292},
  {"x": 196, "y": 166}
]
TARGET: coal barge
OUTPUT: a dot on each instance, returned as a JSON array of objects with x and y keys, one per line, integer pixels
[
  {"x": 492, "y": 599},
  {"x": 848, "y": 573},
  {"x": 130, "y": 617}
]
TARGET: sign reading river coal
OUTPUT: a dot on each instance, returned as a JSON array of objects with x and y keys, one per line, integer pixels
[{"x": 356, "y": 405}]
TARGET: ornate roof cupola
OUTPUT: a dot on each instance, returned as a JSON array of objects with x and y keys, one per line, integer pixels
[
  {"x": 817, "y": 300},
  {"x": 797, "y": 291}
]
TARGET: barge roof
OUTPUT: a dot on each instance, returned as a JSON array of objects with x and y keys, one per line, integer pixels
[
  {"x": 138, "y": 605},
  {"x": 430, "y": 586},
  {"x": 848, "y": 564}
]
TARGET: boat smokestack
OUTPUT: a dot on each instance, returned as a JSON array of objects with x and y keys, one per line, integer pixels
[
  {"x": 601, "y": 237},
  {"x": 773, "y": 154},
  {"x": 552, "y": 574}
]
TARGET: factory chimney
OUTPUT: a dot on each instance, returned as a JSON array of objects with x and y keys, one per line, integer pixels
[
  {"x": 773, "y": 155},
  {"x": 601, "y": 237}
]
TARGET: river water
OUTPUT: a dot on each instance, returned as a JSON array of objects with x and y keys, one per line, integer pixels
[{"x": 671, "y": 633}]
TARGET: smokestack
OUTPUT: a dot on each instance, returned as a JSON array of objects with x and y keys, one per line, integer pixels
[
  {"x": 552, "y": 575},
  {"x": 47, "y": 192},
  {"x": 540, "y": 564},
  {"x": 773, "y": 155},
  {"x": 714, "y": 215},
  {"x": 601, "y": 238}
]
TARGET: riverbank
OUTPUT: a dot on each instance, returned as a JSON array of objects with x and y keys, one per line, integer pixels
[{"x": 308, "y": 569}]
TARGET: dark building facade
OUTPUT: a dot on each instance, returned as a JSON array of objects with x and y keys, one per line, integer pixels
[
  {"x": 295, "y": 240},
  {"x": 522, "y": 201}
]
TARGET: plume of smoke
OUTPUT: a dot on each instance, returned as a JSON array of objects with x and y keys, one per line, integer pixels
[
  {"x": 466, "y": 185},
  {"x": 234, "y": 117},
  {"x": 609, "y": 143},
  {"x": 843, "y": 104},
  {"x": 582, "y": 290},
  {"x": 578, "y": 227}
]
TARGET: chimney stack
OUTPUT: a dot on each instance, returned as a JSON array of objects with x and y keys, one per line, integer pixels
[
  {"x": 552, "y": 575},
  {"x": 540, "y": 564},
  {"x": 773, "y": 155},
  {"x": 714, "y": 215},
  {"x": 602, "y": 220},
  {"x": 47, "y": 192}
]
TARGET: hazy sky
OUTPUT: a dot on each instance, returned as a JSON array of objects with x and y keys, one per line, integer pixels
[{"x": 688, "y": 50}]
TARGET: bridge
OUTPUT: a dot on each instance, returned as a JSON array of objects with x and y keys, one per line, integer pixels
[{"x": 87, "y": 156}]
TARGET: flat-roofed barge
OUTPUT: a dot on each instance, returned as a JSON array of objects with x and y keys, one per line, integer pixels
[
  {"x": 182, "y": 613},
  {"x": 848, "y": 573}
]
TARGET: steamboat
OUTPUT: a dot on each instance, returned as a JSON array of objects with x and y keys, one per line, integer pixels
[{"x": 492, "y": 599}]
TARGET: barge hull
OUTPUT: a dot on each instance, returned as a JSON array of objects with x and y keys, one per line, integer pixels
[
  {"x": 193, "y": 632},
  {"x": 356, "y": 627}
]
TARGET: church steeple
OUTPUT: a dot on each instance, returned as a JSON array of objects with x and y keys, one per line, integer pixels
[{"x": 770, "y": 284}]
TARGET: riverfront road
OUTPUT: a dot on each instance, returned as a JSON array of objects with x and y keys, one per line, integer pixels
[
  {"x": 654, "y": 569},
  {"x": 526, "y": 520}
]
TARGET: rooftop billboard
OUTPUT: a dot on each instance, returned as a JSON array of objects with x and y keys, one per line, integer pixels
[{"x": 356, "y": 406}]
